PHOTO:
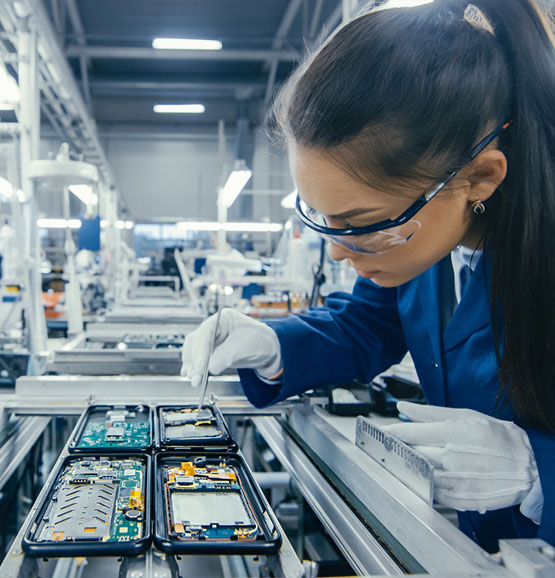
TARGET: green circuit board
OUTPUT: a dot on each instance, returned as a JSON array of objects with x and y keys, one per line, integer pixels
[
  {"x": 96, "y": 500},
  {"x": 116, "y": 428},
  {"x": 206, "y": 502}
]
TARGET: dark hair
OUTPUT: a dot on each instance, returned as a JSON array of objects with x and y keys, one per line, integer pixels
[{"x": 405, "y": 93}]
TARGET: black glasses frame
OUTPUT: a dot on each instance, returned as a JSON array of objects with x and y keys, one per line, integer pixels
[{"x": 411, "y": 211}]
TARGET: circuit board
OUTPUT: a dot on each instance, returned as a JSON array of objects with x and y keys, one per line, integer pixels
[
  {"x": 205, "y": 500},
  {"x": 96, "y": 500},
  {"x": 188, "y": 423},
  {"x": 116, "y": 427},
  {"x": 160, "y": 341}
]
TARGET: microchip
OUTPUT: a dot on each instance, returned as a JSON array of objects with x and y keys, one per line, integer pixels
[
  {"x": 114, "y": 433},
  {"x": 184, "y": 480},
  {"x": 84, "y": 473},
  {"x": 108, "y": 476}
]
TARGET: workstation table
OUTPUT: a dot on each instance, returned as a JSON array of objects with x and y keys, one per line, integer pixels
[{"x": 381, "y": 527}]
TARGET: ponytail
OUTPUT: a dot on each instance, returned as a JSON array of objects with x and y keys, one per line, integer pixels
[{"x": 520, "y": 238}]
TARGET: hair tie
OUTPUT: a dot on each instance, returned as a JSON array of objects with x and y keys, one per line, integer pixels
[{"x": 475, "y": 17}]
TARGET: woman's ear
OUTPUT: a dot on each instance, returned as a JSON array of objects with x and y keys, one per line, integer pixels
[{"x": 485, "y": 174}]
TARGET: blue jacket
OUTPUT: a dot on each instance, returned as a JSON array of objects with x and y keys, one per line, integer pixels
[{"x": 359, "y": 335}]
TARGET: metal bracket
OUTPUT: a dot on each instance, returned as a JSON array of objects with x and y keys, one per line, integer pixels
[{"x": 408, "y": 466}]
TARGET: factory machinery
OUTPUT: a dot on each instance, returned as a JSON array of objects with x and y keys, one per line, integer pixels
[
  {"x": 148, "y": 484},
  {"x": 121, "y": 348}
]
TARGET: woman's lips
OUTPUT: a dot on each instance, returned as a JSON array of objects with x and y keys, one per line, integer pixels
[{"x": 367, "y": 274}]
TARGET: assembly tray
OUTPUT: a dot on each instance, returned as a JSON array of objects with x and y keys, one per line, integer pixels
[
  {"x": 180, "y": 428},
  {"x": 96, "y": 506},
  {"x": 114, "y": 429},
  {"x": 210, "y": 504}
]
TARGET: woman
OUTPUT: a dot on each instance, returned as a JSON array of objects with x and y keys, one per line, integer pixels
[{"x": 421, "y": 142}]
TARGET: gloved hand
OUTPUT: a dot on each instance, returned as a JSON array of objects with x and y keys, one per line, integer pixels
[
  {"x": 480, "y": 463},
  {"x": 241, "y": 342}
]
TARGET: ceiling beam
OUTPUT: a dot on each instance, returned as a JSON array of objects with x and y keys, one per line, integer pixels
[
  {"x": 52, "y": 58},
  {"x": 282, "y": 31},
  {"x": 334, "y": 19},
  {"x": 315, "y": 19},
  {"x": 124, "y": 87},
  {"x": 79, "y": 31},
  {"x": 139, "y": 53}
]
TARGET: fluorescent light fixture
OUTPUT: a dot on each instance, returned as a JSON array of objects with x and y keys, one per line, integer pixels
[
  {"x": 253, "y": 227},
  {"x": 199, "y": 226},
  {"x": 179, "y": 108},
  {"x": 288, "y": 202},
  {"x": 58, "y": 223},
  {"x": 6, "y": 188},
  {"x": 230, "y": 227},
  {"x": 6, "y": 106},
  {"x": 9, "y": 88},
  {"x": 235, "y": 183},
  {"x": 185, "y": 44},
  {"x": 84, "y": 193}
]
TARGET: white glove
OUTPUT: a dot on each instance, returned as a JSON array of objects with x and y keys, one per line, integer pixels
[
  {"x": 480, "y": 463},
  {"x": 241, "y": 342}
]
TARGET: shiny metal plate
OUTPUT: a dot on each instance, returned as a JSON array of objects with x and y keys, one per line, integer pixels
[{"x": 407, "y": 465}]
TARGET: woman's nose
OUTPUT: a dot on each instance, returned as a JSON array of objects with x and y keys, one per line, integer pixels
[{"x": 337, "y": 252}]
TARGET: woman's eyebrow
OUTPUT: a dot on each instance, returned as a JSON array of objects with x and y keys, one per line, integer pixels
[{"x": 352, "y": 213}]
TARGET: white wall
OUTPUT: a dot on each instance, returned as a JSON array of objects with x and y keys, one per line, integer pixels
[
  {"x": 175, "y": 176},
  {"x": 160, "y": 177}
]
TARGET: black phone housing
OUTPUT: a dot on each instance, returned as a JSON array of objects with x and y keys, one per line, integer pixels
[
  {"x": 269, "y": 542},
  {"x": 94, "y": 411},
  {"x": 35, "y": 548},
  {"x": 221, "y": 443}
]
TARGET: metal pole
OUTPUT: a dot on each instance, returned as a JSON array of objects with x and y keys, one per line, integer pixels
[
  {"x": 222, "y": 210},
  {"x": 29, "y": 149}
]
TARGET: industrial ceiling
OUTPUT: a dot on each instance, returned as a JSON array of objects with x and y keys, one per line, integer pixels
[{"x": 109, "y": 46}]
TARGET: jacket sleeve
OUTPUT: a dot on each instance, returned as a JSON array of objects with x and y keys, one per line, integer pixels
[
  {"x": 355, "y": 336},
  {"x": 543, "y": 445}
]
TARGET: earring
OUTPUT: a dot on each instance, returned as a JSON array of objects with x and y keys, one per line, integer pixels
[{"x": 478, "y": 207}]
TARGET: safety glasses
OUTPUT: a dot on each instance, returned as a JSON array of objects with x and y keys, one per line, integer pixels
[{"x": 385, "y": 235}]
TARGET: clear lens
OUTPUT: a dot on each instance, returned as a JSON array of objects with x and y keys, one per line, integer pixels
[{"x": 378, "y": 242}]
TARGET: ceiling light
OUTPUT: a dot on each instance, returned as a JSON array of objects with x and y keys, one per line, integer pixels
[
  {"x": 288, "y": 202},
  {"x": 199, "y": 226},
  {"x": 58, "y": 223},
  {"x": 84, "y": 193},
  {"x": 253, "y": 227},
  {"x": 119, "y": 224},
  {"x": 6, "y": 189},
  {"x": 129, "y": 225},
  {"x": 185, "y": 44},
  {"x": 179, "y": 108},
  {"x": 230, "y": 227},
  {"x": 235, "y": 183}
]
